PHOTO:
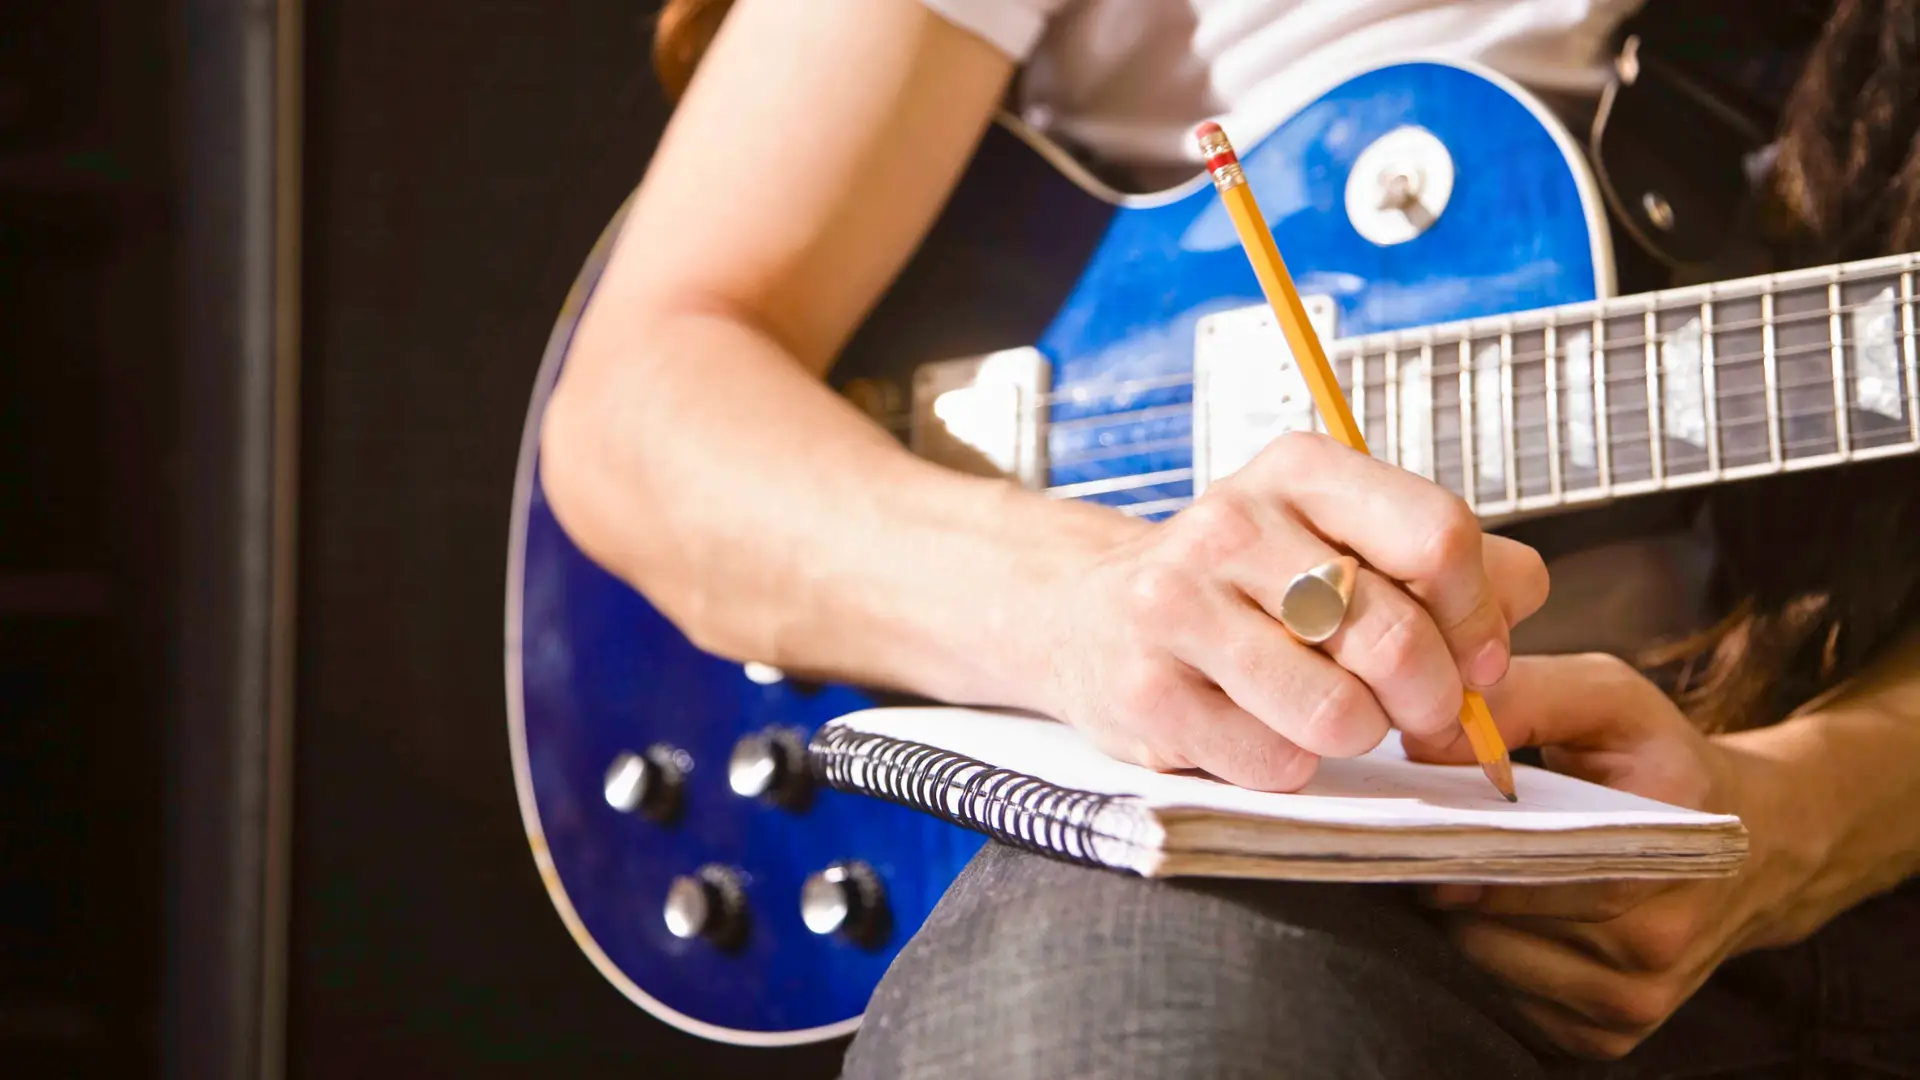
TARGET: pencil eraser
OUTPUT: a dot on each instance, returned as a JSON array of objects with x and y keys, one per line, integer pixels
[{"x": 1215, "y": 150}]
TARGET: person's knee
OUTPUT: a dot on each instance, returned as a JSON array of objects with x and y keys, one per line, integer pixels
[{"x": 1031, "y": 967}]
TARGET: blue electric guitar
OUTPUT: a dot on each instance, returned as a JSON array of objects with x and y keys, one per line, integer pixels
[{"x": 1454, "y": 248}]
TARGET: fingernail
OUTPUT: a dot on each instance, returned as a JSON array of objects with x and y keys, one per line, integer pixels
[
  {"x": 1489, "y": 664},
  {"x": 1456, "y": 895}
]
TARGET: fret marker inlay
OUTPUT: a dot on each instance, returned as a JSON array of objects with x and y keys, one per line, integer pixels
[
  {"x": 1876, "y": 355},
  {"x": 1488, "y": 451},
  {"x": 1416, "y": 415},
  {"x": 1683, "y": 411},
  {"x": 1579, "y": 383}
]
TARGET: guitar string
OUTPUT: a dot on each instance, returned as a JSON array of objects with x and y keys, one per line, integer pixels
[
  {"x": 1530, "y": 432},
  {"x": 1089, "y": 391},
  {"x": 1519, "y": 362},
  {"x": 1633, "y": 351},
  {"x": 1621, "y": 441},
  {"x": 1788, "y": 448},
  {"x": 1630, "y": 378}
]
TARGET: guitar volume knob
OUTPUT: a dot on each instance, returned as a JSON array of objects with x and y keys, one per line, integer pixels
[
  {"x": 647, "y": 784},
  {"x": 845, "y": 899},
  {"x": 707, "y": 903},
  {"x": 770, "y": 766}
]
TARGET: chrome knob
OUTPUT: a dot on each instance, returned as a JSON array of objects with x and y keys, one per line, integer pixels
[
  {"x": 648, "y": 784},
  {"x": 845, "y": 899},
  {"x": 707, "y": 903},
  {"x": 770, "y": 766}
]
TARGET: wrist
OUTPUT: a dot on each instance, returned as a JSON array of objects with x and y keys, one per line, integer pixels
[
  {"x": 1830, "y": 809},
  {"x": 1792, "y": 829},
  {"x": 1033, "y": 609}
]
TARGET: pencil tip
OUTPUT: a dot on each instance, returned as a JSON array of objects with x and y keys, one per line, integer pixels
[{"x": 1500, "y": 773}]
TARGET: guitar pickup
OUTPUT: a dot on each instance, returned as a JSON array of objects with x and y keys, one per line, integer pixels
[
  {"x": 984, "y": 415},
  {"x": 1247, "y": 387}
]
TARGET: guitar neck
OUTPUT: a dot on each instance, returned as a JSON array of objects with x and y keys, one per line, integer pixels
[{"x": 1692, "y": 386}]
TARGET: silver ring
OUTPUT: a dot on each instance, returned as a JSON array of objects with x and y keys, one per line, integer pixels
[{"x": 1315, "y": 602}]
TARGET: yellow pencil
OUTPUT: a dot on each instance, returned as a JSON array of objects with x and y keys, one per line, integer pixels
[{"x": 1224, "y": 166}]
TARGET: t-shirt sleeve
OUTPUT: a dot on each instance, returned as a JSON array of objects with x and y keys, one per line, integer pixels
[{"x": 1012, "y": 26}]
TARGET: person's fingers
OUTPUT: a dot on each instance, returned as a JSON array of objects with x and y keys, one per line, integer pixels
[
  {"x": 1403, "y": 525},
  {"x": 1573, "y": 1033},
  {"x": 1218, "y": 736},
  {"x": 1291, "y": 688},
  {"x": 1538, "y": 967},
  {"x": 1519, "y": 576},
  {"x": 1594, "y": 902},
  {"x": 1387, "y": 640},
  {"x": 1587, "y": 701}
]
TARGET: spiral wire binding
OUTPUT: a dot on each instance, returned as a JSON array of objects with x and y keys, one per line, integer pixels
[{"x": 1009, "y": 806}]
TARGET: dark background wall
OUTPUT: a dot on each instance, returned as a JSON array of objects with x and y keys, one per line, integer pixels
[
  {"x": 462, "y": 156},
  {"x": 86, "y": 489}
]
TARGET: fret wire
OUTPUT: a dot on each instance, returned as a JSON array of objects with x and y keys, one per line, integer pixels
[
  {"x": 1638, "y": 340},
  {"x": 1451, "y": 371},
  {"x": 1507, "y": 440},
  {"x": 1907, "y": 348},
  {"x": 1843, "y": 436},
  {"x": 1553, "y": 410},
  {"x": 1468, "y": 479},
  {"x": 1360, "y": 394},
  {"x": 1433, "y": 429},
  {"x": 1083, "y": 393},
  {"x": 1602, "y": 437},
  {"x": 1393, "y": 406},
  {"x": 1154, "y": 412},
  {"x": 1656, "y": 443},
  {"x": 1710, "y": 384},
  {"x": 1770, "y": 367},
  {"x": 1136, "y": 481},
  {"x": 1773, "y": 390}
]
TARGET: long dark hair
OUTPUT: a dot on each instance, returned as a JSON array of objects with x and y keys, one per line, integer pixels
[{"x": 1818, "y": 571}]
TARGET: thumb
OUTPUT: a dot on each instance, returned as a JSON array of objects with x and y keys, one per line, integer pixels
[
  {"x": 1591, "y": 701},
  {"x": 1518, "y": 576}
]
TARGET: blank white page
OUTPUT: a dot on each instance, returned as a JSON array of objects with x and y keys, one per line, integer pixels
[{"x": 1380, "y": 789}]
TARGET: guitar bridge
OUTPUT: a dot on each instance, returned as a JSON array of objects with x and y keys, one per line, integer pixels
[{"x": 984, "y": 414}]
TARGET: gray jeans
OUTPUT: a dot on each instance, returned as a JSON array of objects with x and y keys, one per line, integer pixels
[{"x": 1031, "y": 967}]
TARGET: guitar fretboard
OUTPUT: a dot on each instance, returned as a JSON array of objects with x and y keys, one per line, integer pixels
[{"x": 1690, "y": 386}]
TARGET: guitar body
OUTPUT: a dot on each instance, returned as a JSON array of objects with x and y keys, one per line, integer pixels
[{"x": 1110, "y": 291}]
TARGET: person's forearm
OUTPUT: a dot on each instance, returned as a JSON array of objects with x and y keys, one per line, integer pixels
[
  {"x": 1846, "y": 783},
  {"x": 772, "y": 521}
]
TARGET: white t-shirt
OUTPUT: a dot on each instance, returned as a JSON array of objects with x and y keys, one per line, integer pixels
[{"x": 1126, "y": 80}]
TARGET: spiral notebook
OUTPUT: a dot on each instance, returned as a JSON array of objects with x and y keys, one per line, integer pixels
[{"x": 1379, "y": 817}]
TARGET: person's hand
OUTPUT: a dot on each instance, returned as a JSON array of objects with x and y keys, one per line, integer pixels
[
  {"x": 1169, "y": 653},
  {"x": 1598, "y": 967}
]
